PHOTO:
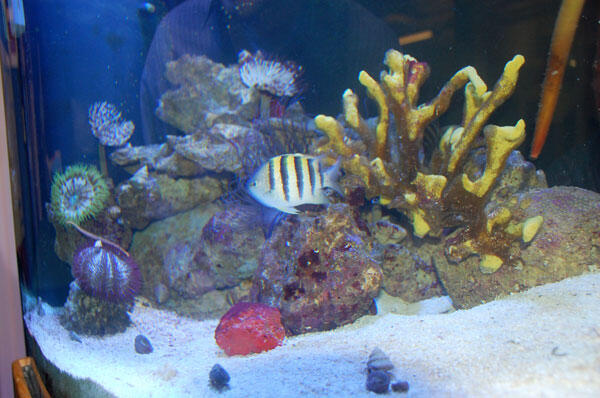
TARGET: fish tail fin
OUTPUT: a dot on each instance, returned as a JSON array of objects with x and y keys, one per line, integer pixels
[{"x": 332, "y": 174}]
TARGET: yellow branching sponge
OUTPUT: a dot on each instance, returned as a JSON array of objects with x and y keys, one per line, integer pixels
[{"x": 436, "y": 194}]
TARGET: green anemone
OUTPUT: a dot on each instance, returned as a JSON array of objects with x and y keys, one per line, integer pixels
[{"x": 78, "y": 194}]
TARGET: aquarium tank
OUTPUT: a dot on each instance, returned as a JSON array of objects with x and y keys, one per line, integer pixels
[{"x": 273, "y": 198}]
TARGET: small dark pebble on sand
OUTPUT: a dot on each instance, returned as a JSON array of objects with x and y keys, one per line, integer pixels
[
  {"x": 219, "y": 378},
  {"x": 400, "y": 386},
  {"x": 142, "y": 345},
  {"x": 378, "y": 381}
]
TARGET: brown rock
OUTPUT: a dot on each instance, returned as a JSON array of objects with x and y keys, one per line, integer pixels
[
  {"x": 407, "y": 275},
  {"x": 317, "y": 270},
  {"x": 146, "y": 197},
  {"x": 567, "y": 244},
  {"x": 207, "y": 93}
]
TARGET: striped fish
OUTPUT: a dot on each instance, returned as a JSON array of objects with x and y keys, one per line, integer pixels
[{"x": 291, "y": 180}]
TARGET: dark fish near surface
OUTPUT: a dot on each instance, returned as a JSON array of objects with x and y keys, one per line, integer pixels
[{"x": 291, "y": 180}]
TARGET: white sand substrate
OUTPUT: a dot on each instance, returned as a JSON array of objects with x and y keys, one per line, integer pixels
[{"x": 541, "y": 343}]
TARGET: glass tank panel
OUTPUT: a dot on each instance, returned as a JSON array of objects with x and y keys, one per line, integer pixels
[{"x": 323, "y": 198}]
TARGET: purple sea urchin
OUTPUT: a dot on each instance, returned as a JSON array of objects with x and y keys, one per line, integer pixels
[
  {"x": 78, "y": 194},
  {"x": 269, "y": 75},
  {"x": 103, "y": 272}
]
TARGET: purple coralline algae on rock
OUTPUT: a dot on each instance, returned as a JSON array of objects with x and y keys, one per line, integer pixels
[
  {"x": 230, "y": 246},
  {"x": 223, "y": 256},
  {"x": 317, "y": 270},
  {"x": 169, "y": 252}
]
